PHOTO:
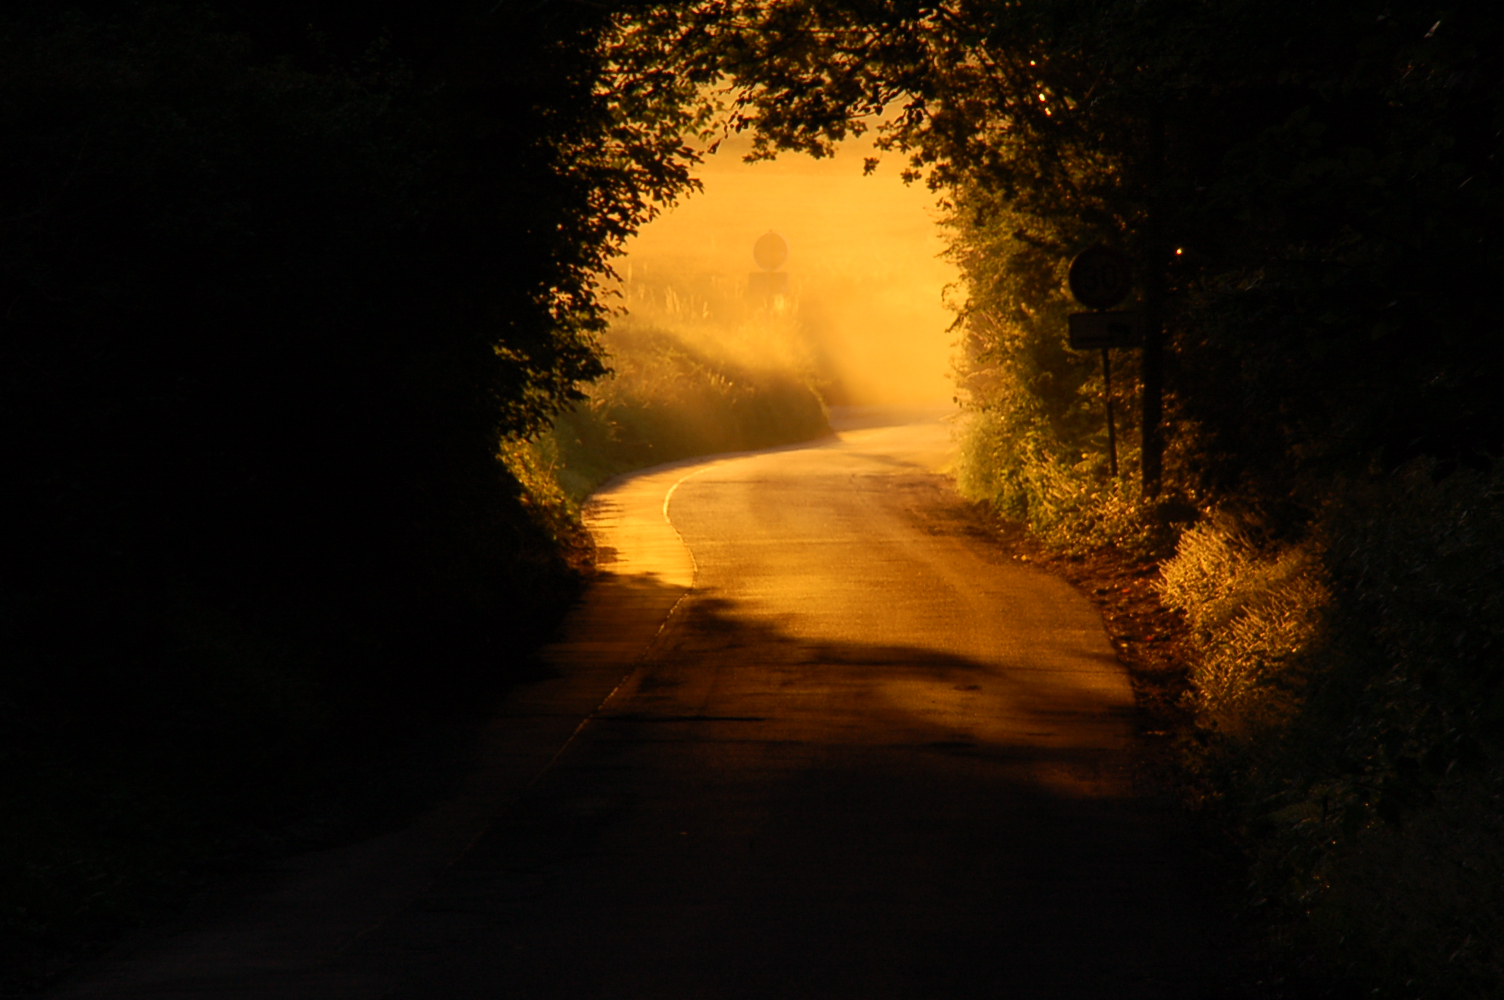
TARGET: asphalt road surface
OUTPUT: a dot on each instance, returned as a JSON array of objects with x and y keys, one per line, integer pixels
[
  {"x": 865, "y": 757},
  {"x": 838, "y": 746}
]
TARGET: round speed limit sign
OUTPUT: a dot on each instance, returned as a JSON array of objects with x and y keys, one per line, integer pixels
[{"x": 1100, "y": 277}]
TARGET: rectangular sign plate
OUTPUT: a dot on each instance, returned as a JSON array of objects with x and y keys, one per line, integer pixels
[{"x": 1090, "y": 331}]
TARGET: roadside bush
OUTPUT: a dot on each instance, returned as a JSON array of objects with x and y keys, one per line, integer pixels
[
  {"x": 1400, "y": 738},
  {"x": 1036, "y": 446},
  {"x": 1352, "y": 689},
  {"x": 1253, "y": 617},
  {"x": 1025, "y": 474}
]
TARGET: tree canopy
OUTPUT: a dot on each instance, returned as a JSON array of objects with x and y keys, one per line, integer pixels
[
  {"x": 276, "y": 281},
  {"x": 1313, "y": 188}
]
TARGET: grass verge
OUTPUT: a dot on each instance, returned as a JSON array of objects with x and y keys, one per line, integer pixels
[{"x": 669, "y": 397}]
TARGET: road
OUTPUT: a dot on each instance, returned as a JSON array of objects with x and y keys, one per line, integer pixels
[
  {"x": 867, "y": 756},
  {"x": 814, "y": 735}
]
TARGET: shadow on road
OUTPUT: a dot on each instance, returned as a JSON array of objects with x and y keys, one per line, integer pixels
[{"x": 756, "y": 815}]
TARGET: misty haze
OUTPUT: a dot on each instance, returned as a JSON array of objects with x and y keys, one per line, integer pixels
[{"x": 865, "y": 315}]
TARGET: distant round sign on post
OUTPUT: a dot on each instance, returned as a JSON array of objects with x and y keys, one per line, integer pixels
[
  {"x": 1100, "y": 277},
  {"x": 770, "y": 251}
]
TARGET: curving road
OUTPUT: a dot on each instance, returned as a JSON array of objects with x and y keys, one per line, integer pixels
[
  {"x": 866, "y": 756},
  {"x": 834, "y": 745}
]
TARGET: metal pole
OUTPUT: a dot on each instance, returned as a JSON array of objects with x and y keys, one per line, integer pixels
[
  {"x": 1112, "y": 434},
  {"x": 1151, "y": 369},
  {"x": 1152, "y": 375}
]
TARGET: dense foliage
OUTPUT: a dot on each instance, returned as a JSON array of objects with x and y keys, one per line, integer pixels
[{"x": 277, "y": 280}]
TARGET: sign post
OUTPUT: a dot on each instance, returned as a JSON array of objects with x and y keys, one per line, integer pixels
[
  {"x": 770, "y": 251},
  {"x": 1100, "y": 278},
  {"x": 1089, "y": 331}
]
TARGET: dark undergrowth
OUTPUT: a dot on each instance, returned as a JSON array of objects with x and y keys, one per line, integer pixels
[
  {"x": 165, "y": 736},
  {"x": 1153, "y": 642},
  {"x": 275, "y": 283},
  {"x": 1326, "y": 709}
]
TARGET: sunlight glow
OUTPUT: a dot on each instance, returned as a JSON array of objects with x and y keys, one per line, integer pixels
[{"x": 863, "y": 310}]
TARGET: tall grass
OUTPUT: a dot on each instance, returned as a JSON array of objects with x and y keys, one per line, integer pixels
[
  {"x": 1027, "y": 477},
  {"x": 1353, "y": 688},
  {"x": 698, "y": 367},
  {"x": 1253, "y": 614}
]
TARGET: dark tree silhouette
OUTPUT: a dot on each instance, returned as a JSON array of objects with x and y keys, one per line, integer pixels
[{"x": 275, "y": 280}]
